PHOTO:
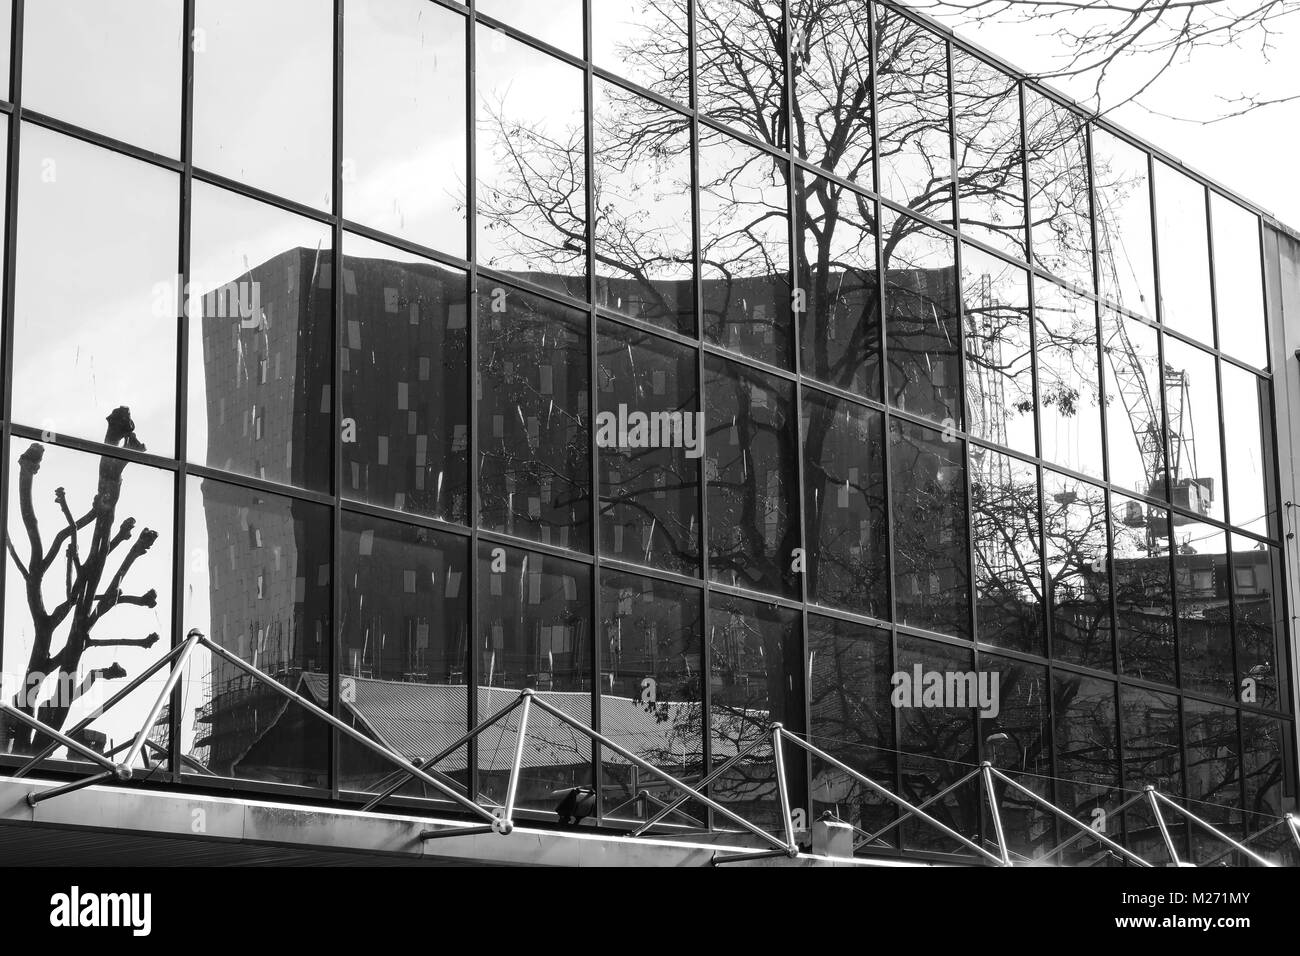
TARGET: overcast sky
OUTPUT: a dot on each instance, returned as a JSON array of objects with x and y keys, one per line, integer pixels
[{"x": 1253, "y": 154}]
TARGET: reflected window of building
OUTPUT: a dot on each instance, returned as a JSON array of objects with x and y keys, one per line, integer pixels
[
  {"x": 645, "y": 41},
  {"x": 82, "y": 619},
  {"x": 1260, "y": 624},
  {"x": 405, "y": 381},
  {"x": 740, "y": 66},
  {"x": 755, "y": 679},
  {"x": 751, "y": 469},
  {"x": 990, "y": 157},
  {"x": 1248, "y": 414},
  {"x": 1000, "y": 404},
  {"x": 1201, "y": 589},
  {"x": 1238, "y": 282},
  {"x": 1069, "y": 379},
  {"x": 838, "y": 286},
  {"x": 558, "y": 22},
  {"x": 931, "y": 563},
  {"x": 1078, "y": 571},
  {"x": 649, "y": 436},
  {"x": 534, "y": 631},
  {"x": 852, "y": 719},
  {"x": 644, "y": 246},
  {"x": 112, "y": 67},
  {"x": 1196, "y": 461},
  {"x": 277, "y": 57},
  {"x": 404, "y": 114},
  {"x": 912, "y": 115},
  {"x": 745, "y": 250},
  {"x": 922, "y": 321},
  {"x": 1060, "y": 204},
  {"x": 1183, "y": 240},
  {"x": 259, "y": 585},
  {"x": 833, "y": 87},
  {"x": 650, "y": 647},
  {"x": 844, "y": 500},
  {"x": 261, "y": 340},
  {"x": 534, "y": 445},
  {"x": 405, "y": 647},
  {"x": 530, "y": 165},
  {"x": 1143, "y": 589},
  {"x": 96, "y": 302},
  {"x": 1008, "y": 551},
  {"x": 1122, "y": 197},
  {"x": 1087, "y": 757},
  {"x": 1135, "y": 408}
]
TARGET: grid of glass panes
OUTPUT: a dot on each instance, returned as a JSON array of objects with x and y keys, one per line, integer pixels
[{"x": 694, "y": 391}]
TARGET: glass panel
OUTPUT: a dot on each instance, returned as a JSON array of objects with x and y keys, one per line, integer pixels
[
  {"x": 932, "y": 566},
  {"x": 1123, "y": 212},
  {"x": 263, "y": 95},
  {"x": 1135, "y": 424},
  {"x": 558, "y": 22},
  {"x": 530, "y": 164},
  {"x": 650, "y": 498},
  {"x": 95, "y": 316},
  {"x": 740, "y": 66},
  {"x": 912, "y": 115},
  {"x": 6, "y": 39},
  {"x": 1214, "y": 773},
  {"x": 651, "y": 694},
  {"x": 88, "y": 609},
  {"x": 1152, "y": 756},
  {"x": 534, "y": 630},
  {"x": 1008, "y": 553},
  {"x": 534, "y": 445},
  {"x": 1087, "y": 760},
  {"x": 1196, "y": 473},
  {"x": 1059, "y": 199},
  {"x": 745, "y": 254},
  {"x": 832, "y": 86},
  {"x": 936, "y": 740},
  {"x": 1184, "y": 254},
  {"x": 258, "y": 583},
  {"x": 1265, "y": 767},
  {"x": 1257, "y": 589},
  {"x": 1143, "y": 590},
  {"x": 999, "y": 351},
  {"x": 1238, "y": 282},
  {"x": 751, "y": 469},
  {"x": 852, "y": 720},
  {"x": 844, "y": 498},
  {"x": 922, "y": 321},
  {"x": 755, "y": 678},
  {"x": 1017, "y": 739},
  {"x": 111, "y": 67},
  {"x": 990, "y": 158},
  {"x": 1078, "y": 571},
  {"x": 405, "y": 641},
  {"x": 645, "y": 41},
  {"x": 839, "y": 286},
  {"x": 1204, "y": 615},
  {"x": 261, "y": 341},
  {"x": 405, "y": 381},
  {"x": 1069, "y": 381},
  {"x": 1248, "y": 412},
  {"x": 404, "y": 121},
  {"x": 644, "y": 250}
]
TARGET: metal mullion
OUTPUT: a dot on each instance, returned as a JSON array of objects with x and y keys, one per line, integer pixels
[
  {"x": 471, "y": 422},
  {"x": 405, "y": 245},
  {"x": 262, "y": 196},
  {"x": 527, "y": 39},
  {"x": 527, "y": 287},
  {"x": 1117, "y": 663},
  {"x": 250, "y": 483},
  {"x": 642, "y": 326},
  {"x": 540, "y": 548},
  {"x": 336, "y": 388},
  {"x": 440, "y": 525},
  {"x": 86, "y": 135}
]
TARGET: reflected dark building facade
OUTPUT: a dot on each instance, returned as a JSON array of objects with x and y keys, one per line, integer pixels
[{"x": 983, "y": 385}]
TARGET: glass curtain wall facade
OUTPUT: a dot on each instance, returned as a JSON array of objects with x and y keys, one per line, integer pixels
[{"x": 696, "y": 364}]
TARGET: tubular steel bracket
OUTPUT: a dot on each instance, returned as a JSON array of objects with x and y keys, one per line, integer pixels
[{"x": 1157, "y": 797}]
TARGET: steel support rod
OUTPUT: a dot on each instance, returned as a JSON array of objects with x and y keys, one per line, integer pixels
[
  {"x": 122, "y": 772},
  {"x": 1084, "y": 831},
  {"x": 1240, "y": 847},
  {"x": 747, "y": 857},
  {"x": 428, "y": 835},
  {"x": 891, "y": 797},
  {"x": 1250, "y": 839},
  {"x": 1061, "y": 814},
  {"x": 516, "y": 766},
  {"x": 101, "y": 710},
  {"x": 1160, "y": 822},
  {"x": 651, "y": 768},
  {"x": 42, "y": 796},
  {"x": 869, "y": 837},
  {"x": 986, "y": 772},
  {"x": 177, "y": 672},
  {"x": 1294, "y": 827},
  {"x": 782, "y": 789},
  {"x": 341, "y": 727}
]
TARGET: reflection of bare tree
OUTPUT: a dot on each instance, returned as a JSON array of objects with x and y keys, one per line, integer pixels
[{"x": 87, "y": 598}]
